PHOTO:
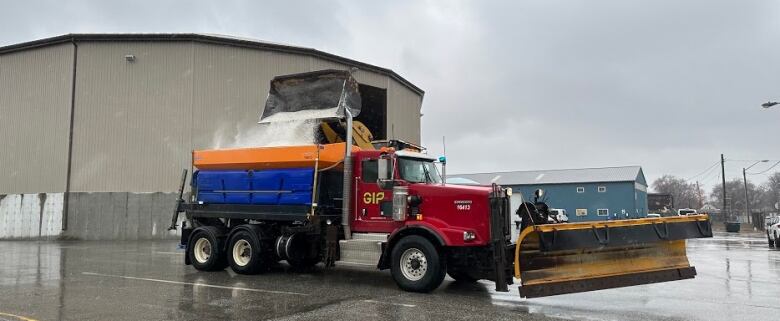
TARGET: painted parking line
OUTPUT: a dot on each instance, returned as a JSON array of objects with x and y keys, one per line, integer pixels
[
  {"x": 391, "y": 303},
  {"x": 16, "y": 317},
  {"x": 168, "y": 253},
  {"x": 192, "y": 283}
]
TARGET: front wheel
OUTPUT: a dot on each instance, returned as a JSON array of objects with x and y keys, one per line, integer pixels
[{"x": 416, "y": 265}]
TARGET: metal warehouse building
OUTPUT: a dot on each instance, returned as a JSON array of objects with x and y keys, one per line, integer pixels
[
  {"x": 96, "y": 128},
  {"x": 589, "y": 194}
]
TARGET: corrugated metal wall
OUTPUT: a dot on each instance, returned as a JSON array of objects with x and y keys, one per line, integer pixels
[
  {"x": 403, "y": 113},
  {"x": 130, "y": 129},
  {"x": 135, "y": 122},
  {"x": 231, "y": 85},
  {"x": 35, "y": 91}
]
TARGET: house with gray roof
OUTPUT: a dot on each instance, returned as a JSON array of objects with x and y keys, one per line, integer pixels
[{"x": 587, "y": 194}]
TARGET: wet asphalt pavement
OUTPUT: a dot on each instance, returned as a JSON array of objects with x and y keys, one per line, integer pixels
[{"x": 739, "y": 279}]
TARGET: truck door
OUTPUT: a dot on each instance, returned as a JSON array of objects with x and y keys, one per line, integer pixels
[{"x": 373, "y": 205}]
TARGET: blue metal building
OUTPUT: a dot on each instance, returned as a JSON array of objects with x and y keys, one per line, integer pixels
[{"x": 588, "y": 194}]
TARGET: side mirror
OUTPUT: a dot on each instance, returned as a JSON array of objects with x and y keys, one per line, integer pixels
[
  {"x": 385, "y": 173},
  {"x": 384, "y": 167}
]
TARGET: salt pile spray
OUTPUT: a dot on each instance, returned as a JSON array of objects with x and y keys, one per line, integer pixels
[{"x": 277, "y": 133}]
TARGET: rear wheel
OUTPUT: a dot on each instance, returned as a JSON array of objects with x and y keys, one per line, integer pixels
[
  {"x": 417, "y": 265},
  {"x": 245, "y": 253},
  {"x": 205, "y": 251}
]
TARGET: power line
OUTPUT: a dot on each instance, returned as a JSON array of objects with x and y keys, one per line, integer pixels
[
  {"x": 706, "y": 170},
  {"x": 766, "y": 170},
  {"x": 709, "y": 175},
  {"x": 749, "y": 160}
]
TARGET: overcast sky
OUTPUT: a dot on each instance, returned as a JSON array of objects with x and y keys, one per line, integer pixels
[{"x": 519, "y": 85}]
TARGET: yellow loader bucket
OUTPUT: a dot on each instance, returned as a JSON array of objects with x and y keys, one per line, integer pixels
[{"x": 554, "y": 259}]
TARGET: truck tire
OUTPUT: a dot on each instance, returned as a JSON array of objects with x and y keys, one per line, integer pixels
[
  {"x": 245, "y": 253},
  {"x": 416, "y": 264},
  {"x": 461, "y": 276},
  {"x": 205, "y": 250}
]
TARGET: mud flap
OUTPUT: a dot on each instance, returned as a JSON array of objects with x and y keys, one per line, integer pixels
[
  {"x": 499, "y": 236},
  {"x": 556, "y": 259}
]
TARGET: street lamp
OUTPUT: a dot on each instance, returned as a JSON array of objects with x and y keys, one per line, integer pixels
[
  {"x": 769, "y": 104},
  {"x": 744, "y": 177}
]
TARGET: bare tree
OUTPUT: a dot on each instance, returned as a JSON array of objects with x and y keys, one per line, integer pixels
[
  {"x": 735, "y": 189},
  {"x": 771, "y": 192},
  {"x": 685, "y": 194}
]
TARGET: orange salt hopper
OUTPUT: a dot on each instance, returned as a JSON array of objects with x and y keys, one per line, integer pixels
[{"x": 257, "y": 158}]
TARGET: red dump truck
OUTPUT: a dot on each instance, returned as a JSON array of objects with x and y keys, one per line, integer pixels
[{"x": 386, "y": 205}]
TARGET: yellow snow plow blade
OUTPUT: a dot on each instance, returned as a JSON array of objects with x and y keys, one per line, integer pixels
[{"x": 565, "y": 258}]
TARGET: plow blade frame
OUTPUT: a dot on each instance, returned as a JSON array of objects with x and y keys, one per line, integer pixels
[
  {"x": 535, "y": 291},
  {"x": 556, "y": 259}
]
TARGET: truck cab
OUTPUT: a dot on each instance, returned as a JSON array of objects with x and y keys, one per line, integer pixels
[
  {"x": 448, "y": 211},
  {"x": 399, "y": 194}
]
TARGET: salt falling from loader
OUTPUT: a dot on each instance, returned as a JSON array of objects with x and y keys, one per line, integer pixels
[{"x": 278, "y": 133}]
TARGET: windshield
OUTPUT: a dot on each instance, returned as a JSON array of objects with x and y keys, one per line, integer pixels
[{"x": 418, "y": 170}]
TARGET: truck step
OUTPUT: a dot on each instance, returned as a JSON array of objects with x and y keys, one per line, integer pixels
[
  {"x": 381, "y": 237},
  {"x": 362, "y": 250}
]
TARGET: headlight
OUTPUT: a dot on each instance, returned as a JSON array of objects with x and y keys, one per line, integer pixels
[
  {"x": 469, "y": 236},
  {"x": 508, "y": 191}
]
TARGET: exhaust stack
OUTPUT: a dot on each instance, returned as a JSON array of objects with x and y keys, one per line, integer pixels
[{"x": 347, "y": 191}]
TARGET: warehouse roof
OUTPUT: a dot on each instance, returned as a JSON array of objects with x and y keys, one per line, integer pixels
[
  {"x": 560, "y": 176},
  {"x": 208, "y": 38}
]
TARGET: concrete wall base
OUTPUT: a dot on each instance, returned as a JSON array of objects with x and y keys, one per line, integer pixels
[
  {"x": 30, "y": 216},
  {"x": 91, "y": 216}
]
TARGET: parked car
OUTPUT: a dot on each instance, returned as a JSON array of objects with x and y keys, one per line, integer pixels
[
  {"x": 653, "y": 215},
  {"x": 559, "y": 214},
  {"x": 686, "y": 211},
  {"x": 773, "y": 231}
]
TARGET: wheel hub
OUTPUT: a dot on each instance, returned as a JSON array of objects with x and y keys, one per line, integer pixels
[
  {"x": 202, "y": 250},
  {"x": 242, "y": 252},
  {"x": 414, "y": 264}
]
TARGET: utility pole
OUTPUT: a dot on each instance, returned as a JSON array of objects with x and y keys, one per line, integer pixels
[
  {"x": 723, "y": 177},
  {"x": 747, "y": 201},
  {"x": 699, "y": 200}
]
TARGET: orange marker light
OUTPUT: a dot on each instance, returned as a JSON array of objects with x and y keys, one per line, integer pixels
[{"x": 419, "y": 217}]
